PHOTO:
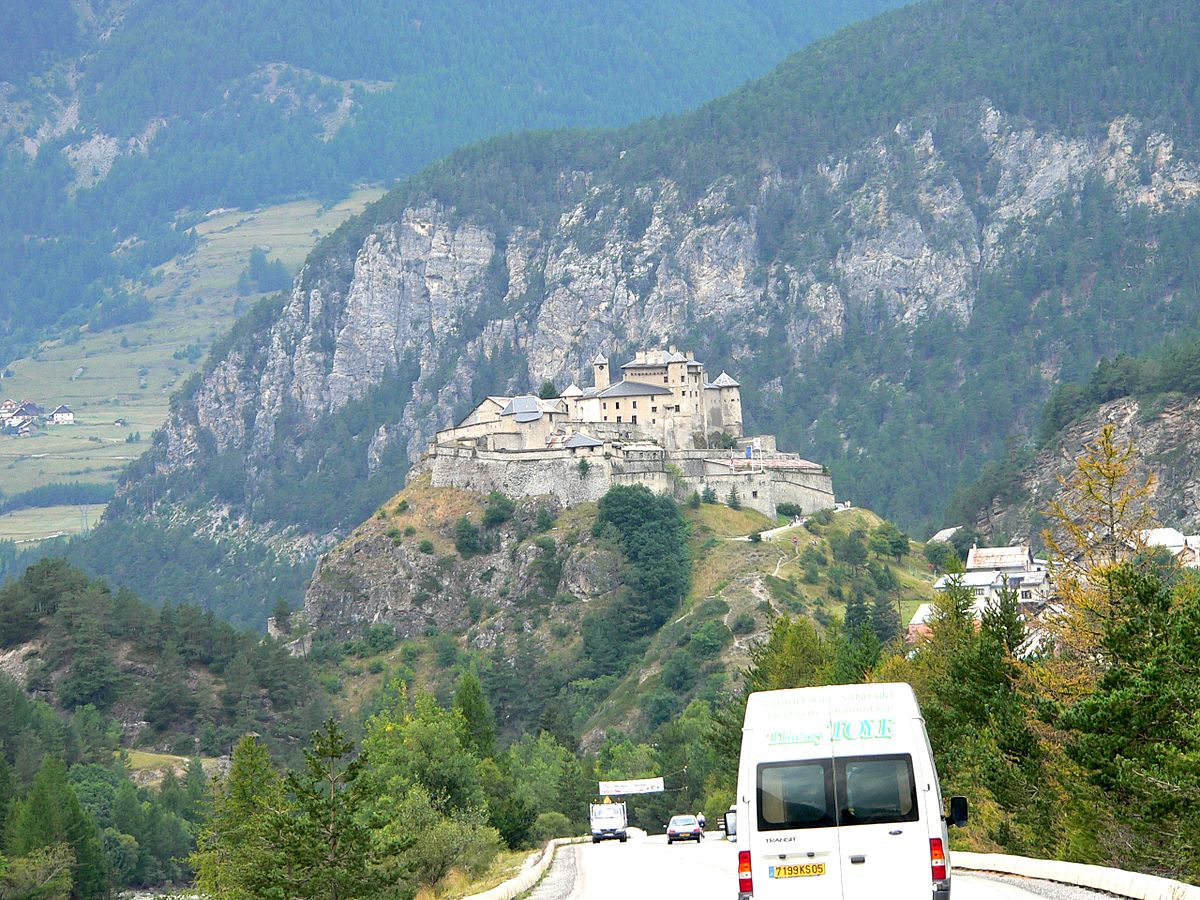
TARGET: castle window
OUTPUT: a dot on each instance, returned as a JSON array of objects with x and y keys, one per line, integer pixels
[
  {"x": 606, "y": 418},
  {"x": 604, "y": 405},
  {"x": 754, "y": 494},
  {"x": 618, "y": 418},
  {"x": 654, "y": 421},
  {"x": 635, "y": 404},
  {"x": 633, "y": 419},
  {"x": 654, "y": 409},
  {"x": 664, "y": 379},
  {"x": 618, "y": 404}
]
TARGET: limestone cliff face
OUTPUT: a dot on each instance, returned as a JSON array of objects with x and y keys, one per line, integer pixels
[
  {"x": 886, "y": 235},
  {"x": 1166, "y": 434}
]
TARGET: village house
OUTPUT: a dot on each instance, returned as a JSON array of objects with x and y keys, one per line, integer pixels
[
  {"x": 1184, "y": 548},
  {"x": 62, "y": 415},
  {"x": 990, "y": 570},
  {"x": 663, "y": 424}
]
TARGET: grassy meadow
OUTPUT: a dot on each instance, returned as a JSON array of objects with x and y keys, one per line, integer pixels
[{"x": 119, "y": 381}]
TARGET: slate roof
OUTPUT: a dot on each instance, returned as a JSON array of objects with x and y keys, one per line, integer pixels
[
  {"x": 573, "y": 391},
  {"x": 628, "y": 388},
  {"x": 723, "y": 380},
  {"x": 579, "y": 439},
  {"x": 524, "y": 407},
  {"x": 600, "y": 360}
]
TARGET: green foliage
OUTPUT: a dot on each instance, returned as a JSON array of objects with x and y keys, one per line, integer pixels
[
  {"x": 472, "y": 705},
  {"x": 51, "y": 815},
  {"x": 58, "y": 494},
  {"x": 426, "y": 546},
  {"x": 709, "y": 495},
  {"x": 547, "y": 391},
  {"x": 653, "y": 539},
  {"x": 466, "y": 538},
  {"x": 733, "y": 501},
  {"x": 790, "y": 510},
  {"x": 499, "y": 510},
  {"x": 938, "y": 554}
]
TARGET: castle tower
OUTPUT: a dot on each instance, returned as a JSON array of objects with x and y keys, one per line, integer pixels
[{"x": 600, "y": 371}]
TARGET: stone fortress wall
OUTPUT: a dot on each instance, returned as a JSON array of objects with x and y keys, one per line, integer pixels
[{"x": 559, "y": 473}]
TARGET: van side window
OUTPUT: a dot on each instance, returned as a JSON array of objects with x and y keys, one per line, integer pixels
[
  {"x": 876, "y": 789},
  {"x": 795, "y": 795}
]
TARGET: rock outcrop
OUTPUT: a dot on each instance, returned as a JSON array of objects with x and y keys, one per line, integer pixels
[{"x": 1166, "y": 436}]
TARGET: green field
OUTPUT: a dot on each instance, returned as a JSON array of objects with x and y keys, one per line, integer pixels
[
  {"x": 26, "y": 526},
  {"x": 118, "y": 382}
]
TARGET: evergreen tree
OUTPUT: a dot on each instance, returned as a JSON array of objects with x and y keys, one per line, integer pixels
[
  {"x": 471, "y": 703},
  {"x": 857, "y": 613},
  {"x": 709, "y": 494},
  {"x": 236, "y": 850},
  {"x": 51, "y": 815},
  {"x": 733, "y": 500},
  {"x": 323, "y": 847},
  {"x": 885, "y": 619}
]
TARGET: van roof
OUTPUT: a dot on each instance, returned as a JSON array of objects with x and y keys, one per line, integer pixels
[{"x": 846, "y": 699}]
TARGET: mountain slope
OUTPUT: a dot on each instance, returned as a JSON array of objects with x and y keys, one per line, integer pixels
[
  {"x": 897, "y": 242},
  {"x": 120, "y": 120}
]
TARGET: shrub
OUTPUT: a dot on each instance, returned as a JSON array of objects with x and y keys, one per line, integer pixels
[
  {"x": 756, "y": 537},
  {"x": 694, "y": 500},
  {"x": 583, "y": 468},
  {"x": 466, "y": 538},
  {"x": 791, "y": 510},
  {"x": 426, "y": 546},
  {"x": 499, "y": 510},
  {"x": 545, "y": 519},
  {"x": 550, "y": 825},
  {"x": 330, "y": 682},
  {"x": 409, "y": 531},
  {"x": 743, "y": 623},
  {"x": 402, "y": 507}
]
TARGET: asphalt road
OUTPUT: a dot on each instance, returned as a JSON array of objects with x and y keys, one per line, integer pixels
[{"x": 648, "y": 867}]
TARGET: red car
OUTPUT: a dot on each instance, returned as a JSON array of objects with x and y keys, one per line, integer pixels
[{"x": 684, "y": 828}]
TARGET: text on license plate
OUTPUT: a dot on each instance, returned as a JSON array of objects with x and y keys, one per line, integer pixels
[{"x": 797, "y": 871}]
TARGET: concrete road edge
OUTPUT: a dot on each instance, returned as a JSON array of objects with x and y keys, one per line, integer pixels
[
  {"x": 526, "y": 879},
  {"x": 1100, "y": 878}
]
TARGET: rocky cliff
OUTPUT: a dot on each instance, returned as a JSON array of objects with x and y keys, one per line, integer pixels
[{"x": 1166, "y": 435}]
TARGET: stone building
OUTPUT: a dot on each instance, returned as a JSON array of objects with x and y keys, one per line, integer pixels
[{"x": 654, "y": 426}]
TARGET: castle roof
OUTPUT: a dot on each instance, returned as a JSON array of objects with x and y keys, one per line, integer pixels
[
  {"x": 579, "y": 439},
  {"x": 723, "y": 380},
  {"x": 627, "y": 388},
  {"x": 648, "y": 358},
  {"x": 573, "y": 391},
  {"x": 600, "y": 360},
  {"x": 528, "y": 408}
]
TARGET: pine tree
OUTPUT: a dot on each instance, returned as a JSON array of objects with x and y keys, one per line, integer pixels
[
  {"x": 470, "y": 701},
  {"x": 324, "y": 849},
  {"x": 857, "y": 613},
  {"x": 734, "y": 501},
  {"x": 235, "y": 849},
  {"x": 885, "y": 619},
  {"x": 51, "y": 815}
]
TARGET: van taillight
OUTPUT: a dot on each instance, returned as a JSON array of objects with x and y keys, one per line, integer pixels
[
  {"x": 745, "y": 881},
  {"x": 937, "y": 859}
]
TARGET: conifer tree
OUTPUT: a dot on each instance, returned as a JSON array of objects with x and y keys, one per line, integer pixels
[
  {"x": 477, "y": 714},
  {"x": 885, "y": 619},
  {"x": 51, "y": 815},
  {"x": 234, "y": 855},
  {"x": 324, "y": 848}
]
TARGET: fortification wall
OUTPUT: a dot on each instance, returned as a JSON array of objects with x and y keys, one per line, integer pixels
[
  {"x": 557, "y": 473},
  {"x": 526, "y": 475}
]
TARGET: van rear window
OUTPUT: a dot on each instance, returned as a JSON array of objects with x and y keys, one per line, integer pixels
[
  {"x": 876, "y": 789},
  {"x": 795, "y": 795},
  {"x": 863, "y": 790}
]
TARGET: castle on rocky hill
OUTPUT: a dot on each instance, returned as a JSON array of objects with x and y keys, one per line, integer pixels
[{"x": 663, "y": 424}]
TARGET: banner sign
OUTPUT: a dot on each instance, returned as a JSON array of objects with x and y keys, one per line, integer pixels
[{"x": 637, "y": 786}]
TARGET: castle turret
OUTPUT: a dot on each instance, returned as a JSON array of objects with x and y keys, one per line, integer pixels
[{"x": 600, "y": 371}]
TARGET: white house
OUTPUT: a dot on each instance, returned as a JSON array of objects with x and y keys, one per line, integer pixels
[{"x": 62, "y": 415}]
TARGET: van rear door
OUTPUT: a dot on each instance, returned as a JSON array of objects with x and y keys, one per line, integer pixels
[
  {"x": 884, "y": 840},
  {"x": 794, "y": 835}
]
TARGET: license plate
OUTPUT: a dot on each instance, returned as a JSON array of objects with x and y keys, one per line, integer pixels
[{"x": 799, "y": 871}]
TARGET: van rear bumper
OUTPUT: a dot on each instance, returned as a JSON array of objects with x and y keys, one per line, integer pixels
[{"x": 941, "y": 893}]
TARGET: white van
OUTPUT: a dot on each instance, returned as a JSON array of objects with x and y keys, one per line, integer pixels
[{"x": 838, "y": 797}]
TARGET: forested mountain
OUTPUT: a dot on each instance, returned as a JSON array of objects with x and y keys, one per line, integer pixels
[
  {"x": 120, "y": 122},
  {"x": 898, "y": 242}
]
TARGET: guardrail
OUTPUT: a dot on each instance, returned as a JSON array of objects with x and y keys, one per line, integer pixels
[
  {"x": 526, "y": 879},
  {"x": 1100, "y": 878}
]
